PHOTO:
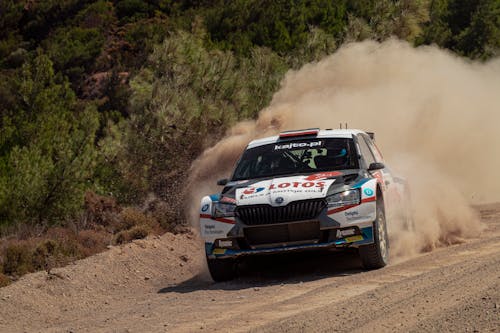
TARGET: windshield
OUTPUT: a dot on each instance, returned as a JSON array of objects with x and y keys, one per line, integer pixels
[{"x": 300, "y": 156}]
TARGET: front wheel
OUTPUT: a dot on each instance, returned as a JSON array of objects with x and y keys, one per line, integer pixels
[
  {"x": 376, "y": 255},
  {"x": 222, "y": 269}
]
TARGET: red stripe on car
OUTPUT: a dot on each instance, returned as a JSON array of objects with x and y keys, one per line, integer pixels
[
  {"x": 218, "y": 219},
  {"x": 340, "y": 209}
]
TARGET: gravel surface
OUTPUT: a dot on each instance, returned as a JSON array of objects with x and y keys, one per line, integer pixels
[{"x": 160, "y": 285}]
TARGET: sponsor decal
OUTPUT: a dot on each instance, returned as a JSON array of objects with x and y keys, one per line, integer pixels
[
  {"x": 293, "y": 145},
  {"x": 354, "y": 215},
  {"x": 219, "y": 251},
  {"x": 252, "y": 190},
  {"x": 354, "y": 238},
  {"x": 228, "y": 200},
  {"x": 297, "y": 185},
  {"x": 368, "y": 192},
  {"x": 205, "y": 207},
  {"x": 210, "y": 230},
  {"x": 285, "y": 187},
  {"x": 351, "y": 214},
  {"x": 344, "y": 233},
  {"x": 225, "y": 243},
  {"x": 259, "y": 193},
  {"x": 323, "y": 175}
]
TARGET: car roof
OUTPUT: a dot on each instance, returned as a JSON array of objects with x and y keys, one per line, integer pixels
[{"x": 329, "y": 133}]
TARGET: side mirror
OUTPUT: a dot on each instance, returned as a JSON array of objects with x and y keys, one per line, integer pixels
[
  {"x": 222, "y": 182},
  {"x": 376, "y": 166}
]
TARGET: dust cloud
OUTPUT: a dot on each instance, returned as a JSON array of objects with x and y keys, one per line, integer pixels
[{"x": 435, "y": 116}]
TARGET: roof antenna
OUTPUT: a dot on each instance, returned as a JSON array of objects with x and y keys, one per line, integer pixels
[{"x": 345, "y": 125}]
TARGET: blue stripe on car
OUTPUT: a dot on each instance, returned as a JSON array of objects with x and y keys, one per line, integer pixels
[{"x": 361, "y": 183}]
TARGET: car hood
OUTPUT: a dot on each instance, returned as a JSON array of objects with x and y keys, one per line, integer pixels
[{"x": 280, "y": 191}]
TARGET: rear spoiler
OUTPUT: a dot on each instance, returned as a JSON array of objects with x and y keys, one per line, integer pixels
[{"x": 303, "y": 132}]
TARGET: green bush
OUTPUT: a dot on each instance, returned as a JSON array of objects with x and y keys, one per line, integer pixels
[
  {"x": 98, "y": 15},
  {"x": 74, "y": 50},
  {"x": 281, "y": 25},
  {"x": 48, "y": 157},
  {"x": 186, "y": 94},
  {"x": 470, "y": 28},
  {"x": 130, "y": 10},
  {"x": 40, "y": 17}
]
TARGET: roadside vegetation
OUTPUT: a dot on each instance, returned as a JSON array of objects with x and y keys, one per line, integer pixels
[{"x": 105, "y": 104}]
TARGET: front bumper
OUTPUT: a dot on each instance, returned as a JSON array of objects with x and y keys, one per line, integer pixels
[{"x": 364, "y": 237}]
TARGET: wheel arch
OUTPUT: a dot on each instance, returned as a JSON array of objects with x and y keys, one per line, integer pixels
[{"x": 380, "y": 196}]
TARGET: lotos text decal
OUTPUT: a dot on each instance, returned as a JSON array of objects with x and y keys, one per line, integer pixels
[{"x": 296, "y": 185}]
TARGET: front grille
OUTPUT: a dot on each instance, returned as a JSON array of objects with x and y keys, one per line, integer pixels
[
  {"x": 294, "y": 211},
  {"x": 283, "y": 234}
]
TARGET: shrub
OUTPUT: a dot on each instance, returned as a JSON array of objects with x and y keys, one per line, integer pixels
[
  {"x": 4, "y": 280},
  {"x": 74, "y": 50},
  {"x": 164, "y": 214},
  {"x": 137, "y": 232},
  {"x": 46, "y": 163},
  {"x": 18, "y": 259},
  {"x": 93, "y": 241},
  {"x": 44, "y": 256},
  {"x": 129, "y": 10},
  {"x": 131, "y": 217},
  {"x": 181, "y": 102},
  {"x": 57, "y": 247},
  {"x": 96, "y": 15},
  {"x": 101, "y": 210}
]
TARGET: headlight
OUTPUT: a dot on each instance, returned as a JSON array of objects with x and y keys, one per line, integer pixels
[
  {"x": 346, "y": 198},
  {"x": 222, "y": 209}
]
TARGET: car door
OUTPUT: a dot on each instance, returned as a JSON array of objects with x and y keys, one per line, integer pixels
[{"x": 393, "y": 196}]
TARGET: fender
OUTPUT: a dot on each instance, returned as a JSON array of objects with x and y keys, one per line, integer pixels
[{"x": 211, "y": 227}]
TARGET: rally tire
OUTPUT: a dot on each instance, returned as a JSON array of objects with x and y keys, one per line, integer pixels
[
  {"x": 222, "y": 269},
  {"x": 376, "y": 255}
]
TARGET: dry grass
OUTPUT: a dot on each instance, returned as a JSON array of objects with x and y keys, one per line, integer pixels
[
  {"x": 103, "y": 223},
  {"x": 4, "y": 280},
  {"x": 137, "y": 232}
]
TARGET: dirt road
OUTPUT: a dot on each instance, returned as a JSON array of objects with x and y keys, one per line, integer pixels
[{"x": 155, "y": 285}]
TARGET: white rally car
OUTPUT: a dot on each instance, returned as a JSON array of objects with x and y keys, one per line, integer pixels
[{"x": 303, "y": 190}]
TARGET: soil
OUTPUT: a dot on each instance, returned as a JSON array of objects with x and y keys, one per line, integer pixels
[{"x": 160, "y": 285}]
